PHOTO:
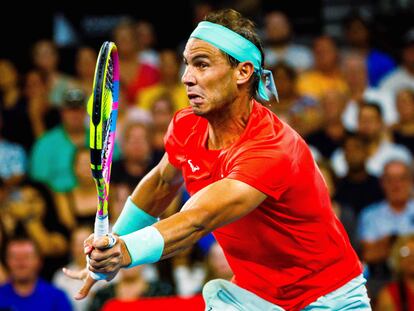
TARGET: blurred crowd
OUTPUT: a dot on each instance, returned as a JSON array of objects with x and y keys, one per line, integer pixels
[{"x": 352, "y": 103}]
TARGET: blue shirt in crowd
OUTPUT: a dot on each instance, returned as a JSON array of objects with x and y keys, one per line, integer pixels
[
  {"x": 379, "y": 220},
  {"x": 45, "y": 297}
]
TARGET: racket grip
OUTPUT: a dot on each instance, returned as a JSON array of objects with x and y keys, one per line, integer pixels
[{"x": 101, "y": 229}]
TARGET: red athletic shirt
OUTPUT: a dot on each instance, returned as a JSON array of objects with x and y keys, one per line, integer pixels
[{"x": 291, "y": 249}]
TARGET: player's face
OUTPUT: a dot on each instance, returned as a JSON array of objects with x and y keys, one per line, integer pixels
[{"x": 209, "y": 78}]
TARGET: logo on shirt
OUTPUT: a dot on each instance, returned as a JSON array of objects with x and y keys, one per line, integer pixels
[{"x": 194, "y": 168}]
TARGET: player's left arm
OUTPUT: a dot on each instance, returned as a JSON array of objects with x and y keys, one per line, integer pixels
[{"x": 212, "y": 207}]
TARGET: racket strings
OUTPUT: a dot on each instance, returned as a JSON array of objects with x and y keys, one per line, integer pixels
[
  {"x": 107, "y": 101},
  {"x": 110, "y": 75}
]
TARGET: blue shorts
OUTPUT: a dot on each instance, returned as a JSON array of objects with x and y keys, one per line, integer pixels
[{"x": 221, "y": 295}]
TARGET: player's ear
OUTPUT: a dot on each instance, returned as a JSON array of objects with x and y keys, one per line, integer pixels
[{"x": 244, "y": 71}]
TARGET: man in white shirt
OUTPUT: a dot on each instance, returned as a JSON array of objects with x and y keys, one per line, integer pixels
[{"x": 380, "y": 149}]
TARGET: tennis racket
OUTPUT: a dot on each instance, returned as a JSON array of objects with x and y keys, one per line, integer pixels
[{"x": 103, "y": 111}]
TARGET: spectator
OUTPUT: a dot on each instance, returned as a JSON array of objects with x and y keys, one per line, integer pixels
[
  {"x": 78, "y": 206},
  {"x": 13, "y": 159},
  {"x": 78, "y": 261},
  {"x": 399, "y": 295},
  {"x": 357, "y": 188},
  {"x": 162, "y": 111},
  {"x": 14, "y": 107},
  {"x": 25, "y": 290},
  {"x": 85, "y": 62},
  {"x": 170, "y": 83},
  {"x": 58, "y": 174},
  {"x": 146, "y": 40},
  {"x": 381, "y": 222},
  {"x": 380, "y": 149},
  {"x": 300, "y": 112},
  {"x": 134, "y": 75},
  {"x": 30, "y": 209},
  {"x": 358, "y": 36},
  {"x": 355, "y": 72},
  {"x": 189, "y": 272},
  {"x": 136, "y": 156},
  {"x": 130, "y": 286},
  {"x": 279, "y": 46},
  {"x": 331, "y": 136},
  {"x": 135, "y": 162},
  {"x": 42, "y": 115},
  {"x": 403, "y": 75},
  {"x": 403, "y": 131},
  {"x": 45, "y": 57},
  {"x": 326, "y": 74}
]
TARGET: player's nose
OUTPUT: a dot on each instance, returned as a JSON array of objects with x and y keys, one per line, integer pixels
[{"x": 188, "y": 77}]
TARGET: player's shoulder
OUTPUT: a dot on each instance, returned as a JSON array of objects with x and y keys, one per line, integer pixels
[
  {"x": 183, "y": 125},
  {"x": 184, "y": 120},
  {"x": 184, "y": 115}
]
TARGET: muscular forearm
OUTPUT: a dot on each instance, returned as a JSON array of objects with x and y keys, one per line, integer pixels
[
  {"x": 180, "y": 231},
  {"x": 210, "y": 208},
  {"x": 155, "y": 193}
]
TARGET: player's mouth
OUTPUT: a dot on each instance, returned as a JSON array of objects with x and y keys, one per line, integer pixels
[{"x": 195, "y": 98}]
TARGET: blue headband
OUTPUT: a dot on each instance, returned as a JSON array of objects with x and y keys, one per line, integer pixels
[{"x": 239, "y": 48}]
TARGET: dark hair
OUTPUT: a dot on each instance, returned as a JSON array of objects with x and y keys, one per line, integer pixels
[{"x": 246, "y": 28}]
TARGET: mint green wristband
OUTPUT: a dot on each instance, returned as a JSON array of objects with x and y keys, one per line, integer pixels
[
  {"x": 144, "y": 246},
  {"x": 132, "y": 218}
]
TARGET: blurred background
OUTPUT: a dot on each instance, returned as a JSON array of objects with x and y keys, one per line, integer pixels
[{"x": 345, "y": 76}]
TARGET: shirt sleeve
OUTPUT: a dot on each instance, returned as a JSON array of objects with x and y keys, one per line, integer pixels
[
  {"x": 174, "y": 140},
  {"x": 268, "y": 173}
]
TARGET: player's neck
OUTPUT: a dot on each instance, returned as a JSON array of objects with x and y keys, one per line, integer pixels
[{"x": 225, "y": 128}]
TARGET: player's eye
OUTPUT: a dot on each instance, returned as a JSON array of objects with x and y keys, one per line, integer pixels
[{"x": 202, "y": 65}]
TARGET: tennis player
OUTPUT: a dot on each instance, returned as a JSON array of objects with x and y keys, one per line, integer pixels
[{"x": 253, "y": 182}]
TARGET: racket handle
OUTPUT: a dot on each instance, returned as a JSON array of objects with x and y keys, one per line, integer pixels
[{"x": 101, "y": 229}]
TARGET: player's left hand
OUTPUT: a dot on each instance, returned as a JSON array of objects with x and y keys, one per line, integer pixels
[{"x": 107, "y": 259}]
